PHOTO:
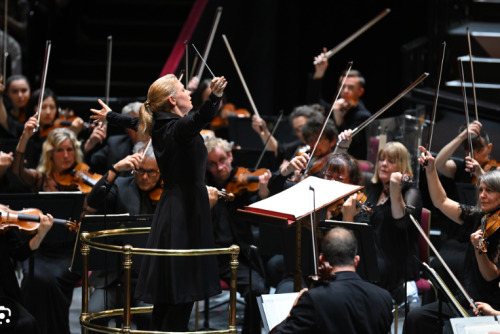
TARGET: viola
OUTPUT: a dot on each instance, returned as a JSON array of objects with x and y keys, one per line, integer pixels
[
  {"x": 78, "y": 178},
  {"x": 220, "y": 122},
  {"x": 336, "y": 208},
  {"x": 488, "y": 227},
  {"x": 27, "y": 220},
  {"x": 244, "y": 180}
]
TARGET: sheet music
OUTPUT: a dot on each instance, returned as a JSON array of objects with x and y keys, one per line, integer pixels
[
  {"x": 475, "y": 325},
  {"x": 277, "y": 306},
  {"x": 297, "y": 200}
]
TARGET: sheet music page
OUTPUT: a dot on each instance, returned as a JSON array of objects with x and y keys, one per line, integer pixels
[
  {"x": 298, "y": 200},
  {"x": 468, "y": 325},
  {"x": 277, "y": 307},
  {"x": 482, "y": 329}
]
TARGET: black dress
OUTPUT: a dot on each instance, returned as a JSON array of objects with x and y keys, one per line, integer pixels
[{"x": 182, "y": 217}]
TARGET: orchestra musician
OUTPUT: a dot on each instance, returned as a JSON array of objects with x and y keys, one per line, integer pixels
[
  {"x": 346, "y": 304},
  {"x": 393, "y": 201},
  {"x": 181, "y": 219},
  {"x": 349, "y": 110},
  {"x": 481, "y": 275},
  {"x": 133, "y": 194},
  {"x": 14, "y": 248},
  {"x": 230, "y": 229},
  {"x": 15, "y": 114},
  {"x": 51, "y": 291},
  {"x": 285, "y": 152}
]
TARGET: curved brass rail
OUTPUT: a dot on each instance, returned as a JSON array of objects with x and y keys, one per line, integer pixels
[{"x": 128, "y": 251}]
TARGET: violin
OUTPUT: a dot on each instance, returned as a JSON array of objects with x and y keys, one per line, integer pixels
[
  {"x": 227, "y": 196},
  {"x": 488, "y": 227},
  {"x": 229, "y": 109},
  {"x": 244, "y": 180},
  {"x": 65, "y": 120},
  {"x": 336, "y": 208},
  {"x": 78, "y": 178},
  {"x": 27, "y": 220},
  {"x": 155, "y": 193}
]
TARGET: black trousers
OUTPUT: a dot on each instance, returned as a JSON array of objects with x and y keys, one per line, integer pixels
[{"x": 171, "y": 317}]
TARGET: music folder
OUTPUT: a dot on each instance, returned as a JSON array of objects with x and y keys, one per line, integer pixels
[{"x": 274, "y": 308}]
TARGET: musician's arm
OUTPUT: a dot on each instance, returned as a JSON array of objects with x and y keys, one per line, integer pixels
[{"x": 488, "y": 269}]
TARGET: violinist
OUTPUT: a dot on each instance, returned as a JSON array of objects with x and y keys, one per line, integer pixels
[
  {"x": 349, "y": 110},
  {"x": 481, "y": 275},
  {"x": 346, "y": 304},
  {"x": 133, "y": 194},
  {"x": 393, "y": 201},
  {"x": 229, "y": 229},
  {"x": 52, "y": 288},
  {"x": 13, "y": 110},
  {"x": 50, "y": 119},
  {"x": 285, "y": 152},
  {"x": 130, "y": 193},
  {"x": 13, "y": 248}
]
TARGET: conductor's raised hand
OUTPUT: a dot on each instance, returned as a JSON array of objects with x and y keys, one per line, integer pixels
[
  {"x": 218, "y": 85},
  {"x": 100, "y": 114}
]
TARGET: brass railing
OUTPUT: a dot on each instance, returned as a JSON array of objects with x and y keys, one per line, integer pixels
[{"x": 128, "y": 251}]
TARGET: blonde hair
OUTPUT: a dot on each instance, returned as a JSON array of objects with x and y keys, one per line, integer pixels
[
  {"x": 396, "y": 152},
  {"x": 158, "y": 95},
  {"x": 213, "y": 142},
  {"x": 54, "y": 139}
]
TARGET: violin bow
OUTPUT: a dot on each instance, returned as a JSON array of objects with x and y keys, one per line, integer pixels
[
  {"x": 48, "y": 46},
  {"x": 434, "y": 105},
  {"x": 390, "y": 104},
  {"x": 203, "y": 60},
  {"x": 325, "y": 121},
  {"x": 466, "y": 108},
  {"x": 4, "y": 51},
  {"x": 210, "y": 40},
  {"x": 240, "y": 75},
  {"x": 360, "y": 31},
  {"x": 472, "y": 74},
  {"x": 186, "y": 61},
  {"x": 108, "y": 68},
  {"x": 143, "y": 153},
  {"x": 268, "y": 140},
  {"x": 469, "y": 299}
]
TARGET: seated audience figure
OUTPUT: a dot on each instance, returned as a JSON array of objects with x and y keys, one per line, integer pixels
[
  {"x": 349, "y": 110},
  {"x": 345, "y": 303},
  {"x": 481, "y": 275},
  {"x": 15, "y": 248},
  {"x": 230, "y": 229},
  {"x": 49, "y": 294},
  {"x": 393, "y": 200},
  {"x": 102, "y": 151},
  {"x": 13, "y": 110}
]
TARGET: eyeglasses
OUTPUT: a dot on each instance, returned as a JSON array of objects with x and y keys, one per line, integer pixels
[{"x": 150, "y": 172}]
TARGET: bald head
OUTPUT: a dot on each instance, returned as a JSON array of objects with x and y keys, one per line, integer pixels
[{"x": 339, "y": 247}]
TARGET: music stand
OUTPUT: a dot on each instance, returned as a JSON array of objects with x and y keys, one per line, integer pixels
[
  {"x": 93, "y": 223},
  {"x": 367, "y": 267}
]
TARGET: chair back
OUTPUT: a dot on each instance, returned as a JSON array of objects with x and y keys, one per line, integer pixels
[{"x": 423, "y": 247}]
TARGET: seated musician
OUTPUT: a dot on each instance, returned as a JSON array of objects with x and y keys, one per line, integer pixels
[
  {"x": 297, "y": 119},
  {"x": 230, "y": 229},
  {"x": 346, "y": 303},
  {"x": 393, "y": 201},
  {"x": 455, "y": 240},
  {"x": 13, "y": 111},
  {"x": 349, "y": 110},
  {"x": 14, "y": 248},
  {"x": 481, "y": 275},
  {"x": 133, "y": 194},
  {"x": 51, "y": 291}
]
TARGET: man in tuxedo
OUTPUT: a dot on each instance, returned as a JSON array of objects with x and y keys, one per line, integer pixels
[{"x": 344, "y": 304}]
